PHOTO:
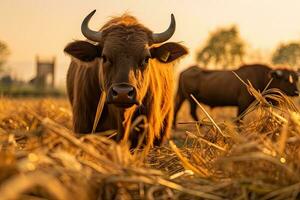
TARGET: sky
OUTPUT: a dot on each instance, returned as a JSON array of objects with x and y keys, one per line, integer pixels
[{"x": 44, "y": 27}]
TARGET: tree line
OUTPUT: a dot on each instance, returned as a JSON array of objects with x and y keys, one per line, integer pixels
[{"x": 225, "y": 49}]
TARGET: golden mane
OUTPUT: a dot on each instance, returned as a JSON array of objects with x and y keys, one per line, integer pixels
[
  {"x": 124, "y": 20},
  {"x": 160, "y": 98}
]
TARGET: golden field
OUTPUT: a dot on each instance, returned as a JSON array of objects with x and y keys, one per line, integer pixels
[{"x": 41, "y": 158}]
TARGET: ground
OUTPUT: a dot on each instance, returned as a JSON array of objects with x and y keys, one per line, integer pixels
[{"x": 40, "y": 157}]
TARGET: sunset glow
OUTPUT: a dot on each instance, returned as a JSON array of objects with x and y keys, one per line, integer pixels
[{"x": 42, "y": 27}]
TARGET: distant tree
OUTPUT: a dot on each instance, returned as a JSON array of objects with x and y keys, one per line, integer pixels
[
  {"x": 4, "y": 53},
  {"x": 287, "y": 54},
  {"x": 224, "y": 48},
  {"x": 6, "y": 80}
]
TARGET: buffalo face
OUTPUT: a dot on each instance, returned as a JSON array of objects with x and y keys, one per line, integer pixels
[
  {"x": 286, "y": 81},
  {"x": 124, "y": 65}
]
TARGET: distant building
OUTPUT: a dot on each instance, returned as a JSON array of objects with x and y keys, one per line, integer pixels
[{"x": 45, "y": 69}]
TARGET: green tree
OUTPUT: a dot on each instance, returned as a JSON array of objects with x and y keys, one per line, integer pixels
[
  {"x": 287, "y": 54},
  {"x": 224, "y": 48},
  {"x": 4, "y": 53}
]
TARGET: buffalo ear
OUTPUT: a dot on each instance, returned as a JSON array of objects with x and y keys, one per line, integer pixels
[
  {"x": 83, "y": 50},
  {"x": 168, "y": 52},
  {"x": 276, "y": 73}
]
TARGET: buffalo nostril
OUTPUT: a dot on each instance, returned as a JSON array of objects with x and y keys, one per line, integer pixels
[
  {"x": 131, "y": 93},
  {"x": 114, "y": 93}
]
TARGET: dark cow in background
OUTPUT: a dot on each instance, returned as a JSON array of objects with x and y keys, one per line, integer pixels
[
  {"x": 217, "y": 88},
  {"x": 125, "y": 60}
]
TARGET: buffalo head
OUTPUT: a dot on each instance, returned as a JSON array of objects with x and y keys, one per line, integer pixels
[
  {"x": 285, "y": 80},
  {"x": 124, "y": 50}
]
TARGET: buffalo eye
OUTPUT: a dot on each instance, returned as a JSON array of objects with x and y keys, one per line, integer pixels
[
  {"x": 104, "y": 59},
  {"x": 145, "y": 62}
]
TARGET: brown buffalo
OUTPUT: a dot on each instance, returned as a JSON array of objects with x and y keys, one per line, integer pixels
[
  {"x": 126, "y": 61},
  {"x": 217, "y": 88}
]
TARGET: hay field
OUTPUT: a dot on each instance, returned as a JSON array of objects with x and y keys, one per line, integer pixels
[{"x": 40, "y": 157}]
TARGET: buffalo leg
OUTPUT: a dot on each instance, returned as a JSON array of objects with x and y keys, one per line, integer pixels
[
  {"x": 239, "y": 122},
  {"x": 193, "y": 110},
  {"x": 242, "y": 106},
  {"x": 178, "y": 103},
  {"x": 241, "y": 109}
]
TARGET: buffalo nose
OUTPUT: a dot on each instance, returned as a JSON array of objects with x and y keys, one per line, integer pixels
[
  {"x": 124, "y": 91},
  {"x": 122, "y": 95}
]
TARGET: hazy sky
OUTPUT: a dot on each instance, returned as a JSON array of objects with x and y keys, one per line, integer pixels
[{"x": 44, "y": 27}]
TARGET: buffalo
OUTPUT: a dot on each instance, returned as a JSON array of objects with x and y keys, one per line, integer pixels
[
  {"x": 134, "y": 68},
  {"x": 218, "y": 88}
]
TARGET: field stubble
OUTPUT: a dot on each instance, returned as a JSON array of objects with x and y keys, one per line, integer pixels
[{"x": 41, "y": 158}]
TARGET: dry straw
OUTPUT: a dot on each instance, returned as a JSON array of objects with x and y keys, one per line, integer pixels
[{"x": 41, "y": 158}]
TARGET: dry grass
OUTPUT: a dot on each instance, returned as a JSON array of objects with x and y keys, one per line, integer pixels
[{"x": 40, "y": 158}]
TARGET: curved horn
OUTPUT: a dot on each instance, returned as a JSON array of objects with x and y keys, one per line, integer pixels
[
  {"x": 164, "y": 36},
  {"x": 87, "y": 32}
]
